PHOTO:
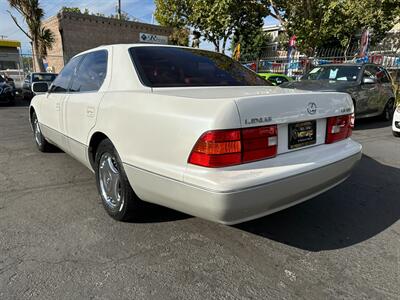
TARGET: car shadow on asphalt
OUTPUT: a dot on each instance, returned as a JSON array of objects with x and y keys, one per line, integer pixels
[
  {"x": 355, "y": 211},
  {"x": 18, "y": 103},
  {"x": 153, "y": 213},
  {"x": 370, "y": 123}
]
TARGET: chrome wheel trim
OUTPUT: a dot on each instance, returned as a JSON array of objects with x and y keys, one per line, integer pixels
[
  {"x": 37, "y": 132},
  {"x": 110, "y": 182}
]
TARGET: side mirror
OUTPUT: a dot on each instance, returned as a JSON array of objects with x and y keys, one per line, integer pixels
[
  {"x": 40, "y": 87},
  {"x": 368, "y": 80}
]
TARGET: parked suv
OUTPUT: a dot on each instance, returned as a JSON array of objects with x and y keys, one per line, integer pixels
[{"x": 369, "y": 86}]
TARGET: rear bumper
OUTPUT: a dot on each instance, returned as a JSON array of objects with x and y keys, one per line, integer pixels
[
  {"x": 246, "y": 203},
  {"x": 396, "y": 122}
]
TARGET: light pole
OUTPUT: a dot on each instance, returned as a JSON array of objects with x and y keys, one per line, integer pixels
[{"x": 119, "y": 9}]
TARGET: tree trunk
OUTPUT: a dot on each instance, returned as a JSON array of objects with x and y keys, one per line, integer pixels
[
  {"x": 216, "y": 44},
  {"x": 39, "y": 67},
  {"x": 224, "y": 45}
]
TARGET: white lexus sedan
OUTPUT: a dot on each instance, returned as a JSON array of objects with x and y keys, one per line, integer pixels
[
  {"x": 193, "y": 130},
  {"x": 396, "y": 122}
]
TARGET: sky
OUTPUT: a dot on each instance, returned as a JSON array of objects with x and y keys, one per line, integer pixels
[{"x": 139, "y": 9}]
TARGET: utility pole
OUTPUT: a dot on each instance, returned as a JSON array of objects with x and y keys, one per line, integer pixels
[{"x": 119, "y": 9}]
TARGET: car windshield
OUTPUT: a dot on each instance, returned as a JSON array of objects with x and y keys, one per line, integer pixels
[
  {"x": 339, "y": 73},
  {"x": 181, "y": 67},
  {"x": 43, "y": 77}
]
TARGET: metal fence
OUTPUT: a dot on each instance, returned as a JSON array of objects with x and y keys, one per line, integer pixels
[{"x": 298, "y": 64}]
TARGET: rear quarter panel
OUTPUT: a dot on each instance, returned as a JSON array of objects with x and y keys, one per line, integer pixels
[{"x": 157, "y": 132}]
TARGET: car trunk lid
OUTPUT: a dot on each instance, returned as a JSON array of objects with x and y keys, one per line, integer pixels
[{"x": 294, "y": 113}]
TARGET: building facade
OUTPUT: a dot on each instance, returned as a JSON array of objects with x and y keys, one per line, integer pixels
[
  {"x": 75, "y": 32},
  {"x": 9, "y": 55}
]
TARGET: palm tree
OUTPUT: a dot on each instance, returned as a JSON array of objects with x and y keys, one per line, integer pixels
[{"x": 41, "y": 38}]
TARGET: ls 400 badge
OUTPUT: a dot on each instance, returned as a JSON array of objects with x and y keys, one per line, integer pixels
[{"x": 257, "y": 120}]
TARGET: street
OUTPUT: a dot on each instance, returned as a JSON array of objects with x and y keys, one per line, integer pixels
[{"x": 56, "y": 240}]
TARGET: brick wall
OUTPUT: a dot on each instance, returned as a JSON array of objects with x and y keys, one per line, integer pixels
[
  {"x": 55, "y": 58},
  {"x": 78, "y": 32}
]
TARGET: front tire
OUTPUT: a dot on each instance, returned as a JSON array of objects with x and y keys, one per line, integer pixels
[
  {"x": 40, "y": 141},
  {"x": 396, "y": 134},
  {"x": 117, "y": 196}
]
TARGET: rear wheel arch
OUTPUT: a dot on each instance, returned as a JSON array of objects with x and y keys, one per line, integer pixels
[
  {"x": 387, "y": 113},
  {"x": 354, "y": 104},
  {"x": 392, "y": 99},
  {"x": 31, "y": 111},
  {"x": 94, "y": 143}
]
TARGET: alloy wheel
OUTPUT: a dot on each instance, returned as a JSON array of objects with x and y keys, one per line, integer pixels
[{"x": 110, "y": 182}]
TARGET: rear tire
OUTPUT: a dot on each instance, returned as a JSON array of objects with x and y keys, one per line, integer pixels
[
  {"x": 388, "y": 111},
  {"x": 116, "y": 193},
  {"x": 40, "y": 141}
]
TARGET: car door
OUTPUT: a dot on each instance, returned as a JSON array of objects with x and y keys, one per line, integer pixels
[
  {"x": 52, "y": 105},
  {"x": 369, "y": 96},
  {"x": 83, "y": 100},
  {"x": 385, "y": 85}
]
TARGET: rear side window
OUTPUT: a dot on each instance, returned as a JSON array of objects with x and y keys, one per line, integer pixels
[
  {"x": 371, "y": 72},
  {"x": 181, "y": 67},
  {"x": 382, "y": 75},
  {"x": 91, "y": 72},
  {"x": 61, "y": 83}
]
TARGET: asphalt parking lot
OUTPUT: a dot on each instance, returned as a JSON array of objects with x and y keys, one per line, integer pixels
[{"x": 57, "y": 242}]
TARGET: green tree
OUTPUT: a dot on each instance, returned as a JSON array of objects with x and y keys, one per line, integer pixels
[
  {"x": 318, "y": 23},
  {"x": 41, "y": 38},
  {"x": 71, "y": 9},
  {"x": 27, "y": 63},
  {"x": 179, "y": 36},
  {"x": 175, "y": 19},
  {"x": 252, "y": 45},
  {"x": 216, "y": 20},
  {"x": 124, "y": 15}
]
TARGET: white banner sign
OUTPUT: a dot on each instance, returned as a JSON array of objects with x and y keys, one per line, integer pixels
[{"x": 153, "y": 38}]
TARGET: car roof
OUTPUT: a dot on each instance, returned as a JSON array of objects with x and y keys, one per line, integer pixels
[{"x": 133, "y": 45}]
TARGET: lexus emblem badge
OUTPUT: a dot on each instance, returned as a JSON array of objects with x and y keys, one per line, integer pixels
[{"x": 312, "y": 108}]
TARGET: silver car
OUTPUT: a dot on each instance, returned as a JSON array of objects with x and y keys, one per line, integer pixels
[{"x": 369, "y": 86}]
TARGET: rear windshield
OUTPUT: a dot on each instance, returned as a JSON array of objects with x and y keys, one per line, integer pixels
[
  {"x": 43, "y": 77},
  {"x": 181, "y": 67},
  {"x": 341, "y": 73}
]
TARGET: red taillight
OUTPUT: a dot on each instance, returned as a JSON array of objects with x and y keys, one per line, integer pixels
[
  {"x": 222, "y": 148},
  {"x": 338, "y": 128}
]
